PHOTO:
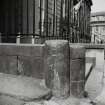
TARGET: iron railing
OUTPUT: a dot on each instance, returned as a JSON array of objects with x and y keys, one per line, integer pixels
[{"x": 44, "y": 20}]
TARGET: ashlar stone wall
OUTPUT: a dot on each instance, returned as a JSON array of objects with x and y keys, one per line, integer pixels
[
  {"x": 60, "y": 64},
  {"x": 22, "y": 59}
]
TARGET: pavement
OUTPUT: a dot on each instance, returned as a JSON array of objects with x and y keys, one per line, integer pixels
[
  {"x": 95, "y": 85},
  {"x": 21, "y": 87}
]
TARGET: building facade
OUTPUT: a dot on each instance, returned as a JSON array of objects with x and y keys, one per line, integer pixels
[
  {"x": 45, "y": 19},
  {"x": 98, "y": 27},
  {"x": 81, "y": 21}
]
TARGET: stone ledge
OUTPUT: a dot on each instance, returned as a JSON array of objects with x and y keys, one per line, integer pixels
[
  {"x": 21, "y": 50},
  {"x": 22, "y": 87},
  {"x": 90, "y": 45}
]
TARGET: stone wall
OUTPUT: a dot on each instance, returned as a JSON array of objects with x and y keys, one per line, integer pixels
[
  {"x": 22, "y": 59},
  {"x": 34, "y": 60},
  {"x": 29, "y": 60}
]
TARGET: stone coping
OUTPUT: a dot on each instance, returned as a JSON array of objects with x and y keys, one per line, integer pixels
[
  {"x": 90, "y": 46},
  {"x": 14, "y": 44},
  {"x": 87, "y": 45}
]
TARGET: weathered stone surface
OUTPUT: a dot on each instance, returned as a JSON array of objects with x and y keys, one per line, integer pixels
[
  {"x": 9, "y": 49},
  {"x": 68, "y": 101},
  {"x": 24, "y": 50},
  {"x": 56, "y": 66},
  {"x": 7, "y": 100},
  {"x": 77, "y": 51},
  {"x": 22, "y": 59},
  {"x": 77, "y": 69},
  {"x": 30, "y": 50},
  {"x": 24, "y": 88},
  {"x": 37, "y": 50},
  {"x": 101, "y": 97},
  {"x": 8, "y": 64},
  {"x": 33, "y": 103},
  {"x": 21, "y": 50},
  {"x": 77, "y": 89},
  {"x": 31, "y": 66},
  {"x": 50, "y": 102}
]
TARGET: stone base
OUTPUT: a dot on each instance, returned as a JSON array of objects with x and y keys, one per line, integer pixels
[{"x": 23, "y": 88}]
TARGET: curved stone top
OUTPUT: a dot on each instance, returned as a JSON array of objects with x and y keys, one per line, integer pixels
[{"x": 56, "y": 43}]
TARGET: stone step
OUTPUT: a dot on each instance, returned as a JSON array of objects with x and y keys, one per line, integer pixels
[{"x": 21, "y": 87}]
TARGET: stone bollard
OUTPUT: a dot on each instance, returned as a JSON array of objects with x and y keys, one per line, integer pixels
[
  {"x": 77, "y": 70},
  {"x": 56, "y": 66}
]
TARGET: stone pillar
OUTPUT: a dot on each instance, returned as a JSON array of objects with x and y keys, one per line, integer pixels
[
  {"x": 77, "y": 70},
  {"x": 56, "y": 68}
]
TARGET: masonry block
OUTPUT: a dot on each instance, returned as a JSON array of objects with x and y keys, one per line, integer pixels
[
  {"x": 9, "y": 49},
  {"x": 77, "y": 51},
  {"x": 77, "y": 69},
  {"x": 30, "y": 66},
  {"x": 77, "y": 89},
  {"x": 56, "y": 67},
  {"x": 8, "y": 64},
  {"x": 24, "y": 50},
  {"x": 21, "y": 50},
  {"x": 22, "y": 87},
  {"x": 37, "y": 50},
  {"x": 7, "y": 100}
]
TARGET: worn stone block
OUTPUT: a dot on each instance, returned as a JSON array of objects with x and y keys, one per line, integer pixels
[
  {"x": 7, "y": 100},
  {"x": 10, "y": 49},
  {"x": 30, "y": 66},
  {"x": 57, "y": 46},
  {"x": 22, "y": 87},
  {"x": 56, "y": 66},
  {"x": 77, "y": 69},
  {"x": 8, "y": 64},
  {"x": 21, "y": 50},
  {"x": 24, "y": 50},
  {"x": 77, "y": 51},
  {"x": 37, "y": 50},
  {"x": 77, "y": 89},
  {"x": 81, "y": 88}
]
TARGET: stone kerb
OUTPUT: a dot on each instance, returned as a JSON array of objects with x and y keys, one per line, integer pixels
[
  {"x": 56, "y": 67},
  {"x": 77, "y": 70}
]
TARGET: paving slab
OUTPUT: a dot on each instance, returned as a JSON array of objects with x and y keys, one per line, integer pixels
[
  {"x": 21, "y": 87},
  {"x": 7, "y": 100}
]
